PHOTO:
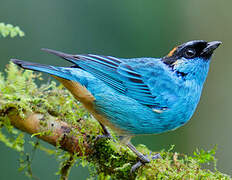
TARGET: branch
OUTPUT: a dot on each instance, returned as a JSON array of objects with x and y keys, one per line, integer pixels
[
  {"x": 50, "y": 113},
  {"x": 56, "y": 132}
]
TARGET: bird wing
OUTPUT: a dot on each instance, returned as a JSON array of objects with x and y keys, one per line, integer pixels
[
  {"x": 128, "y": 76},
  {"x": 132, "y": 77},
  {"x": 118, "y": 74}
]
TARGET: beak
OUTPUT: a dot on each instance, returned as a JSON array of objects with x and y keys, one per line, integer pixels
[{"x": 211, "y": 46}]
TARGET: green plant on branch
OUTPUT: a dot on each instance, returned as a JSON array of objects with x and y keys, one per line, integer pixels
[{"x": 10, "y": 30}]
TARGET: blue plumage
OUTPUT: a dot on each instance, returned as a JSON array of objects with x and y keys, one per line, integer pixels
[{"x": 138, "y": 95}]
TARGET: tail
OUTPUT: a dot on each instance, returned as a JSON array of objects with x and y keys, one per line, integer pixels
[
  {"x": 69, "y": 57},
  {"x": 52, "y": 70}
]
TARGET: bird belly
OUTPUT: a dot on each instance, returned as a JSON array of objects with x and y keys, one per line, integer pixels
[{"x": 134, "y": 118}]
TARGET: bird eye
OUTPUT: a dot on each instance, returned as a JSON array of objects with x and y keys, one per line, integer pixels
[{"x": 189, "y": 53}]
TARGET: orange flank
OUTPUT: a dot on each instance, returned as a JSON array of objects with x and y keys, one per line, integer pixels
[
  {"x": 82, "y": 94},
  {"x": 78, "y": 91}
]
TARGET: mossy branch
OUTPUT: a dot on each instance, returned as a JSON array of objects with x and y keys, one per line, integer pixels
[{"x": 50, "y": 113}]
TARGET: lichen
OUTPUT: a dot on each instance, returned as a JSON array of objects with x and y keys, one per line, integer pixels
[{"x": 108, "y": 158}]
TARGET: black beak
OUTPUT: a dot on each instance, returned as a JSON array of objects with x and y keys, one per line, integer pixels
[{"x": 211, "y": 46}]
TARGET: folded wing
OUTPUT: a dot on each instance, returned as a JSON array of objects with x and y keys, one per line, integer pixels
[{"x": 119, "y": 74}]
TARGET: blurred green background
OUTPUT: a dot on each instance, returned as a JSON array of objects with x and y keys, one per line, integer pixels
[{"x": 131, "y": 28}]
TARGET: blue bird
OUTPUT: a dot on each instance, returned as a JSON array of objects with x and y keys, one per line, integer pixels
[{"x": 139, "y": 95}]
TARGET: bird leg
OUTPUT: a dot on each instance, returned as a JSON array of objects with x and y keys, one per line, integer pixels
[
  {"x": 142, "y": 158},
  {"x": 106, "y": 133}
]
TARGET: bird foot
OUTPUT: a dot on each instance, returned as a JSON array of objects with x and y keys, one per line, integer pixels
[
  {"x": 143, "y": 160},
  {"x": 104, "y": 136}
]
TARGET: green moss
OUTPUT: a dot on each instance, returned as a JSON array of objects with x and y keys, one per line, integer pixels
[
  {"x": 19, "y": 90},
  {"x": 109, "y": 159}
]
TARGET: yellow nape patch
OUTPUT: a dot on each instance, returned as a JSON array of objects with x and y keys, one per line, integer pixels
[
  {"x": 78, "y": 91},
  {"x": 172, "y": 52}
]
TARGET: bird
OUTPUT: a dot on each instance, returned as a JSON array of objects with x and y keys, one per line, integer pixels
[{"x": 136, "y": 96}]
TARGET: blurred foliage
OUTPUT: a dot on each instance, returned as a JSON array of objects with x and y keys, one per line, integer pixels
[
  {"x": 10, "y": 30},
  {"x": 109, "y": 159}
]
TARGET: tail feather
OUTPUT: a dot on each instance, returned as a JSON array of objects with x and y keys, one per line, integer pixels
[
  {"x": 69, "y": 57},
  {"x": 52, "y": 70},
  {"x": 58, "y": 53}
]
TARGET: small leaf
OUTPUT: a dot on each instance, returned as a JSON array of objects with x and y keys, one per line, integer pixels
[{"x": 10, "y": 30}]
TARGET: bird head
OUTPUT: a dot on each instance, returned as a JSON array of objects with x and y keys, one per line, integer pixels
[{"x": 191, "y": 60}]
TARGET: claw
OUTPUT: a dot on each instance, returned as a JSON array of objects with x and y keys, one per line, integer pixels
[
  {"x": 106, "y": 134},
  {"x": 136, "y": 166},
  {"x": 156, "y": 156},
  {"x": 143, "y": 161}
]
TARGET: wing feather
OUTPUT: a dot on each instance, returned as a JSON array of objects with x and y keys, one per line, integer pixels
[{"x": 117, "y": 74}]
